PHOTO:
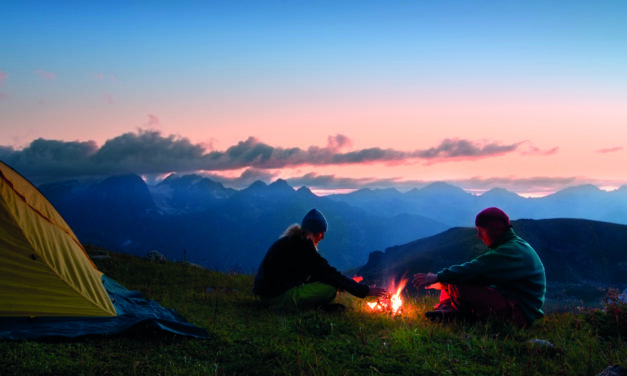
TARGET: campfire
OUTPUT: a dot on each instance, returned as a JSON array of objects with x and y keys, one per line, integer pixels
[{"x": 393, "y": 303}]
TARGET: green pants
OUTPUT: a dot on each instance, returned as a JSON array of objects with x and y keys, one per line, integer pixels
[{"x": 305, "y": 296}]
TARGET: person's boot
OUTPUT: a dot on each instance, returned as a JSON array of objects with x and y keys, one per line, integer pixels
[
  {"x": 442, "y": 315},
  {"x": 334, "y": 308}
]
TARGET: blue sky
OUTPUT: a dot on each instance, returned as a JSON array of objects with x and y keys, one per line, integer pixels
[{"x": 530, "y": 96}]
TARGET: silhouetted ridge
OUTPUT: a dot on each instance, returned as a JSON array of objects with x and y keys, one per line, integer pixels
[{"x": 572, "y": 250}]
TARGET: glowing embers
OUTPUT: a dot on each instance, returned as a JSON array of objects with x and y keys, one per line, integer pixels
[{"x": 391, "y": 303}]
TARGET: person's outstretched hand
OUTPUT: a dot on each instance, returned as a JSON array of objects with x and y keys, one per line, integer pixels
[
  {"x": 428, "y": 280},
  {"x": 378, "y": 292}
]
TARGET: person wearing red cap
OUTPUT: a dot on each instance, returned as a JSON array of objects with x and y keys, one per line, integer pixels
[
  {"x": 294, "y": 275},
  {"x": 508, "y": 281}
]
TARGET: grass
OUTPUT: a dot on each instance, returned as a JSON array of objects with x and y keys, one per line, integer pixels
[{"x": 250, "y": 339}]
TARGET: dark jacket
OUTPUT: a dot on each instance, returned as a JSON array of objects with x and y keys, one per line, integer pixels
[
  {"x": 512, "y": 267},
  {"x": 293, "y": 261}
]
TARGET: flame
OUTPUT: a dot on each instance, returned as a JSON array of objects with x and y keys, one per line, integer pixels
[
  {"x": 357, "y": 278},
  {"x": 396, "y": 301},
  {"x": 392, "y": 303}
]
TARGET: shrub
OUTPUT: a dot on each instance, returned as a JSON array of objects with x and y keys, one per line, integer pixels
[{"x": 611, "y": 319}]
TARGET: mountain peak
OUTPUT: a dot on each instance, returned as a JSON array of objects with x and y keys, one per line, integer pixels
[
  {"x": 440, "y": 188},
  {"x": 257, "y": 185},
  {"x": 305, "y": 191},
  {"x": 280, "y": 184},
  {"x": 585, "y": 189},
  {"x": 191, "y": 180},
  {"x": 499, "y": 193}
]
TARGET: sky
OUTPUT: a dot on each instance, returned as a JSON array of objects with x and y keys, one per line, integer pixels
[{"x": 529, "y": 96}]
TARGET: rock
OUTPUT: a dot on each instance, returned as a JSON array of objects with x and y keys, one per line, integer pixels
[
  {"x": 613, "y": 371},
  {"x": 156, "y": 256},
  {"x": 541, "y": 342},
  {"x": 99, "y": 255}
]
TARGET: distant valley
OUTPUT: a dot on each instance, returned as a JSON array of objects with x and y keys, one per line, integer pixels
[{"x": 198, "y": 220}]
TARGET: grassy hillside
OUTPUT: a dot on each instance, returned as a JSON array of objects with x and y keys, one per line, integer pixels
[
  {"x": 249, "y": 339},
  {"x": 580, "y": 256}
]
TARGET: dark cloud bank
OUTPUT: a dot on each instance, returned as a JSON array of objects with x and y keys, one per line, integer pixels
[{"x": 150, "y": 153}]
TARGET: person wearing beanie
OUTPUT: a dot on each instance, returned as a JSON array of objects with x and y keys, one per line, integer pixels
[
  {"x": 294, "y": 275},
  {"x": 507, "y": 281}
]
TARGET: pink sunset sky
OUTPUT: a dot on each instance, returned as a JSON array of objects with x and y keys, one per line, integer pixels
[{"x": 336, "y": 96}]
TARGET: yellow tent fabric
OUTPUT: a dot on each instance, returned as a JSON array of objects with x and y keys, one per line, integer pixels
[{"x": 44, "y": 270}]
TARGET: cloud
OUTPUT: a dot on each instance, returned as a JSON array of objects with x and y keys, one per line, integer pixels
[
  {"x": 6, "y": 152},
  {"x": 338, "y": 142},
  {"x": 610, "y": 150},
  {"x": 148, "y": 152},
  {"x": 464, "y": 149},
  {"x": 51, "y": 159},
  {"x": 46, "y": 75},
  {"x": 529, "y": 149},
  {"x": 153, "y": 120},
  {"x": 247, "y": 177},
  {"x": 254, "y": 153},
  {"x": 330, "y": 181}
]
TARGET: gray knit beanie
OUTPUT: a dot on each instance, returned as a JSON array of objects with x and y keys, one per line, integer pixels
[{"x": 314, "y": 222}]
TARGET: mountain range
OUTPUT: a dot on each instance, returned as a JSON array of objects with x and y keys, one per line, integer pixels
[
  {"x": 455, "y": 207},
  {"x": 195, "y": 219}
]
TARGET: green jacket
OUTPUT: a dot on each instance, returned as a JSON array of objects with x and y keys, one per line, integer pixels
[{"x": 512, "y": 267}]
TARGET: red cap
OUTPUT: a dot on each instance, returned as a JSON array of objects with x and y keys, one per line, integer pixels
[{"x": 491, "y": 214}]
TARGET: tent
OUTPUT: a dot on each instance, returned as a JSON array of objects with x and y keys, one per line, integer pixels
[{"x": 48, "y": 284}]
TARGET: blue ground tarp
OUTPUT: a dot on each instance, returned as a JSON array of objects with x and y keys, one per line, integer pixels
[{"x": 135, "y": 315}]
